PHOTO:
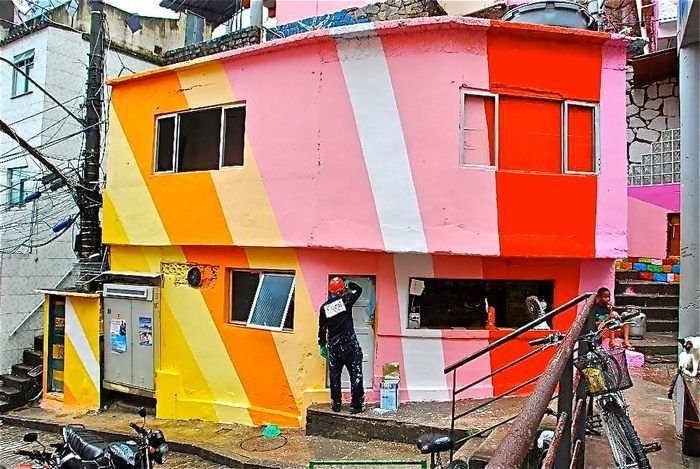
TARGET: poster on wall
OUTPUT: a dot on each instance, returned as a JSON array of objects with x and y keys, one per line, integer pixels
[
  {"x": 117, "y": 336},
  {"x": 145, "y": 332}
]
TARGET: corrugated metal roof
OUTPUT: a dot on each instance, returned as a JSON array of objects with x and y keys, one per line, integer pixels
[{"x": 215, "y": 11}]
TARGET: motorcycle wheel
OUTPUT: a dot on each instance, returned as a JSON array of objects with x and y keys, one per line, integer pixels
[{"x": 458, "y": 464}]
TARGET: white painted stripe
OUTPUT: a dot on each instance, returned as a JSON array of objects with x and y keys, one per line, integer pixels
[
  {"x": 379, "y": 126},
  {"x": 76, "y": 334},
  {"x": 423, "y": 355}
]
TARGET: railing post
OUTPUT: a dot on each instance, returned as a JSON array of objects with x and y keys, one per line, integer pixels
[
  {"x": 580, "y": 392},
  {"x": 564, "y": 404}
]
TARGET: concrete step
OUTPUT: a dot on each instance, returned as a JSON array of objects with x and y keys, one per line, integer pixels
[
  {"x": 667, "y": 313},
  {"x": 646, "y": 300},
  {"x": 14, "y": 381},
  {"x": 32, "y": 358},
  {"x": 5, "y": 406},
  {"x": 645, "y": 287},
  {"x": 39, "y": 343},
  {"x": 11, "y": 395},
  {"x": 658, "y": 344},
  {"x": 626, "y": 275},
  {"x": 365, "y": 427},
  {"x": 21, "y": 370},
  {"x": 662, "y": 325}
]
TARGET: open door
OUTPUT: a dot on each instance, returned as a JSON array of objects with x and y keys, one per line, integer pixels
[
  {"x": 674, "y": 234},
  {"x": 363, "y": 314}
]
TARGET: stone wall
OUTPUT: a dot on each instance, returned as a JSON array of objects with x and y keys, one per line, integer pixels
[
  {"x": 384, "y": 11},
  {"x": 245, "y": 37},
  {"x": 651, "y": 109}
]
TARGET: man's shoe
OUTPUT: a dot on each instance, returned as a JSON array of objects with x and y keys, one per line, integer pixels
[
  {"x": 335, "y": 407},
  {"x": 357, "y": 410}
]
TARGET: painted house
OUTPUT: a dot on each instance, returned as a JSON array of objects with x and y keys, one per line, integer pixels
[{"x": 443, "y": 163}]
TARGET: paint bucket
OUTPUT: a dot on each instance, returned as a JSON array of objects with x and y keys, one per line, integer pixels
[
  {"x": 389, "y": 394},
  {"x": 638, "y": 326}
]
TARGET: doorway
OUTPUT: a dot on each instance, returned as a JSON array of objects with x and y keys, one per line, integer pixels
[
  {"x": 674, "y": 235},
  {"x": 363, "y": 314},
  {"x": 57, "y": 328}
]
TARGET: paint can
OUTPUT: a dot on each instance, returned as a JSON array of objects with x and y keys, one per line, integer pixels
[
  {"x": 389, "y": 394},
  {"x": 638, "y": 326}
]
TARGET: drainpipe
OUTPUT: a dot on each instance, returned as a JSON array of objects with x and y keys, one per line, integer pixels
[
  {"x": 256, "y": 13},
  {"x": 689, "y": 78}
]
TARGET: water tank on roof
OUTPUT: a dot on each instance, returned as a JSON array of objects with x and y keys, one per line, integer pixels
[{"x": 553, "y": 13}]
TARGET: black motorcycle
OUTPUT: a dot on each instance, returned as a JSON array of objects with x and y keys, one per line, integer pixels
[{"x": 85, "y": 449}]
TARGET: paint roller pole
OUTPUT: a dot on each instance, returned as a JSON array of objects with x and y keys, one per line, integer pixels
[{"x": 256, "y": 12}]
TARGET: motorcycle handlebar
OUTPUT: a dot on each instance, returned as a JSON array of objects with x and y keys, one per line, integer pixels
[
  {"x": 24, "y": 452},
  {"x": 542, "y": 341},
  {"x": 138, "y": 429},
  {"x": 627, "y": 316}
]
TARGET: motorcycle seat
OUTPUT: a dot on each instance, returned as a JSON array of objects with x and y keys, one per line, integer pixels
[
  {"x": 86, "y": 444},
  {"x": 434, "y": 443}
]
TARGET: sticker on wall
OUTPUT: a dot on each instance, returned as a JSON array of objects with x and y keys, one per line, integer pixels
[
  {"x": 57, "y": 352},
  {"x": 59, "y": 323},
  {"x": 145, "y": 331},
  {"x": 117, "y": 336}
]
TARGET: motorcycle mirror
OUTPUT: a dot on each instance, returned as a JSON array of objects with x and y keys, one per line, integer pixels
[
  {"x": 142, "y": 412},
  {"x": 31, "y": 437}
]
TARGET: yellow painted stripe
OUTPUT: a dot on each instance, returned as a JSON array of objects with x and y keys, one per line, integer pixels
[
  {"x": 241, "y": 192},
  {"x": 298, "y": 352},
  {"x": 132, "y": 203},
  {"x": 113, "y": 232},
  {"x": 78, "y": 380}
]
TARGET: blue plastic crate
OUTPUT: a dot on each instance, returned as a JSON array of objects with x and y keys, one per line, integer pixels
[
  {"x": 676, "y": 269},
  {"x": 639, "y": 267},
  {"x": 660, "y": 277}
]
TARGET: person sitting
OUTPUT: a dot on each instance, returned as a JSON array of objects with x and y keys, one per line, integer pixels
[{"x": 605, "y": 310}]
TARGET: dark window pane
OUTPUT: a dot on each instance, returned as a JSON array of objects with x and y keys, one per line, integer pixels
[
  {"x": 289, "y": 322},
  {"x": 244, "y": 286},
  {"x": 166, "y": 136},
  {"x": 199, "y": 138},
  {"x": 233, "y": 140},
  {"x": 271, "y": 303}
]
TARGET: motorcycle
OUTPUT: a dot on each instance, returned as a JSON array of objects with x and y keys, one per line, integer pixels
[{"x": 85, "y": 449}]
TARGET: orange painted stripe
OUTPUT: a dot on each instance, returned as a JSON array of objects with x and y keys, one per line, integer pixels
[
  {"x": 252, "y": 351},
  {"x": 188, "y": 203}
]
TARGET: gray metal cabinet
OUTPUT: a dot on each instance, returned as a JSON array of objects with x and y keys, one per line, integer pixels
[{"x": 131, "y": 337}]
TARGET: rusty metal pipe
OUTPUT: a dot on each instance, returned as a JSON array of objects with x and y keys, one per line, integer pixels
[
  {"x": 558, "y": 433},
  {"x": 578, "y": 412},
  {"x": 513, "y": 449},
  {"x": 576, "y": 455}
]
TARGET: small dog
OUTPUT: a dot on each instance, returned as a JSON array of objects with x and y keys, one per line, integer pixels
[{"x": 688, "y": 360}]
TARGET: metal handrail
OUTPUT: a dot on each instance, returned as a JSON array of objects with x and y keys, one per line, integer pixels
[
  {"x": 36, "y": 308},
  {"x": 514, "y": 447},
  {"x": 495, "y": 398}
]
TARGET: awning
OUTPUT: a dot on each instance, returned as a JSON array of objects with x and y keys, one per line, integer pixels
[
  {"x": 656, "y": 66},
  {"x": 216, "y": 12},
  {"x": 125, "y": 273}
]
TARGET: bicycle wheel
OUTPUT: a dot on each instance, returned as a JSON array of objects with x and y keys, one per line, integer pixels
[
  {"x": 32, "y": 392},
  {"x": 457, "y": 464},
  {"x": 624, "y": 442}
]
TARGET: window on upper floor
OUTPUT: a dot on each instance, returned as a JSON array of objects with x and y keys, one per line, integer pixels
[
  {"x": 581, "y": 137},
  {"x": 16, "y": 180},
  {"x": 479, "y": 129},
  {"x": 194, "y": 29},
  {"x": 262, "y": 299},
  {"x": 530, "y": 134},
  {"x": 201, "y": 140},
  {"x": 20, "y": 83}
]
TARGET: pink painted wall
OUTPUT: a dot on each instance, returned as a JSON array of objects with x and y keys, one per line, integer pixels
[
  {"x": 649, "y": 207},
  {"x": 295, "y": 10}
]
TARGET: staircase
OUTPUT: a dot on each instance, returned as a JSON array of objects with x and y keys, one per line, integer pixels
[
  {"x": 12, "y": 385},
  {"x": 659, "y": 301}
]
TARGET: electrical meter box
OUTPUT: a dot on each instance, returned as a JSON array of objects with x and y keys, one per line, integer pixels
[{"x": 131, "y": 336}]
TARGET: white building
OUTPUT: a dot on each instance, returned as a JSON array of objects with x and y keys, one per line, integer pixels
[{"x": 53, "y": 49}]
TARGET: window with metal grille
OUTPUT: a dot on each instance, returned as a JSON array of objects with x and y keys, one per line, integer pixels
[
  {"x": 262, "y": 299},
  {"x": 16, "y": 179},
  {"x": 20, "y": 83}
]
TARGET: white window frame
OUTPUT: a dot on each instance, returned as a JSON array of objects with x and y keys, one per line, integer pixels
[
  {"x": 261, "y": 275},
  {"x": 176, "y": 138},
  {"x": 462, "y": 131},
  {"x": 565, "y": 136},
  {"x": 17, "y": 78}
]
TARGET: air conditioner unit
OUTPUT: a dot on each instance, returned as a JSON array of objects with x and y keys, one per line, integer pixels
[{"x": 133, "y": 292}]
